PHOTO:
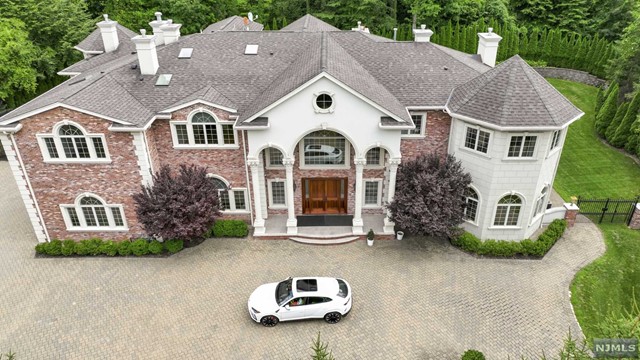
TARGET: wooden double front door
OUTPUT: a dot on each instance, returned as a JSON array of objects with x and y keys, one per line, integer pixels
[{"x": 324, "y": 195}]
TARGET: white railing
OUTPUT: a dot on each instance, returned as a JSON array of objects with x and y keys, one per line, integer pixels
[{"x": 552, "y": 214}]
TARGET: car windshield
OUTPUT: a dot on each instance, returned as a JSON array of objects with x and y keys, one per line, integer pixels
[
  {"x": 283, "y": 292},
  {"x": 343, "y": 289}
]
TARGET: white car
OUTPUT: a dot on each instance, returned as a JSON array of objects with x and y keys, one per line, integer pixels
[
  {"x": 322, "y": 154},
  {"x": 301, "y": 298}
]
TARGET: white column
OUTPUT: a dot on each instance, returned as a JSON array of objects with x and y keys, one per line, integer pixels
[
  {"x": 393, "y": 171},
  {"x": 258, "y": 223},
  {"x": 357, "y": 216},
  {"x": 292, "y": 222}
]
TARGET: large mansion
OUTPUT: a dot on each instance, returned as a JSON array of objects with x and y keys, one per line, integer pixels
[{"x": 307, "y": 120}]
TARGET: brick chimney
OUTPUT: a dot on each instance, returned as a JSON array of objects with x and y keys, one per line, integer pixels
[
  {"x": 109, "y": 33},
  {"x": 147, "y": 55},
  {"x": 423, "y": 34},
  {"x": 170, "y": 31},
  {"x": 488, "y": 47},
  {"x": 155, "y": 25}
]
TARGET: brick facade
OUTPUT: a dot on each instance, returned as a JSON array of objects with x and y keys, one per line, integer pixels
[
  {"x": 436, "y": 139},
  {"x": 56, "y": 184}
]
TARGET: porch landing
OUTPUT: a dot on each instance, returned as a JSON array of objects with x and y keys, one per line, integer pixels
[{"x": 276, "y": 228}]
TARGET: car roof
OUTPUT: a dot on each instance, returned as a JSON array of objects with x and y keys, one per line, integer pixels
[{"x": 327, "y": 287}]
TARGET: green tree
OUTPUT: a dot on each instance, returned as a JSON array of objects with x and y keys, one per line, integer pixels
[
  {"x": 17, "y": 57},
  {"x": 615, "y": 123},
  {"x": 623, "y": 132},
  {"x": 608, "y": 111},
  {"x": 321, "y": 350},
  {"x": 534, "y": 12},
  {"x": 574, "y": 14},
  {"x": 633, "y": 141},
  {"x": 627, "y": 65}
]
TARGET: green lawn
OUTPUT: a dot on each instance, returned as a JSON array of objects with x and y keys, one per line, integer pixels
[{"x": 591, "y": 169}]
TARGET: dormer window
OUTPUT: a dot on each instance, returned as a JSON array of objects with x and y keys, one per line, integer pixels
[
  {"x": 203, "y": 130},
  {"x": 69, "y": 142}
]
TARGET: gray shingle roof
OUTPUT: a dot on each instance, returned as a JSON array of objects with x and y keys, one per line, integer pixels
[
  {"x": 393, "y": 75},
  {"x": 93, "y": 42},
  {"x": 309, "y": 23},
  {"x": 512, "y": 94},
  {"x": 232, "y": 23}
]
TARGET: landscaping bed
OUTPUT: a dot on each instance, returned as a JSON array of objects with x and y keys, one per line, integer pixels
[{"x": 109, "y": 248}]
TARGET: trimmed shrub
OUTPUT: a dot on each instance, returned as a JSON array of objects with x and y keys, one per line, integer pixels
[
  {"x": 68, "y": 247},
  {"x": 93, "y": 246},
  {"x": 230, "y": 228},
  {"x": 156, "y": 247},
  {"x": 109, "y": 248},
  {"x": 40, "y": 248},
  {"x": 81, "y": 248},
  {"x": 54, "y": 248},
  {"x": 472, "y": 355},
  {"x": 124, "y": 248},
  {"x": 173, "y": 246},
  {"x": 140, "y": 247}
]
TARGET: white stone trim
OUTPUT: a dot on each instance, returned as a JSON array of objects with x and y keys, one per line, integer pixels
[
  {"x": 24, "y": 187},
  {"x": 198, "y": 101},
  {"x": 270, "y": 186},
  {"x": 475, "y": 151},
  {"x": 55, "y": 105},
  {"x": 524, "y": 135},
  {"x": 189, "y": 125},
  {"x": 328, "y": 110},
  {"x": 140, "y": 147},
  {"x": 378, "y": 203},
  {"x": 62, "y": 159},
  {"x": 423, "y": 127},
  {"x": 83, "y": 222}
]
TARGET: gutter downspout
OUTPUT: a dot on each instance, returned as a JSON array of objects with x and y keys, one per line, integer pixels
[
  {"x": 246, "y": 172},
  {"x": 26, "y": 177}
]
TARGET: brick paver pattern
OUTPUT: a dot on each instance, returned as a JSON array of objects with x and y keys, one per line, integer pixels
[{"x": 412, "y": 299}]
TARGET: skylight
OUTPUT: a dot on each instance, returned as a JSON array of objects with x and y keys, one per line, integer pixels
[
  {"x": 163, "y": 80},
  {"x": 251, "y": 50},
  {"x": 185, "y": 53}
]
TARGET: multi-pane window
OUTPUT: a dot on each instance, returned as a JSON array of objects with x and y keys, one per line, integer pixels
[
  {"x": 477, "y": 139},
  {"x": 70, "y": 143},
  {"x": 555, "y": 139},
  {"x": 540, "y": 203},
  {"x": 324, "y": 147},
  {"x": 278, "y": 195},
  {"x": 471, "y": 208},
  {"x": 274, "y": 157},
  {"x": 522, "y": 146},
  {"x": 418, "y": 120},
  {"x": 372, "y": 191},
  {"x": 375, "y": 157},
  {"x": 203, "y": 129},
  {"x": 91, "y": 213},
  {"x": 230, "y": 199},
  {"x": 508, "y": 211}
]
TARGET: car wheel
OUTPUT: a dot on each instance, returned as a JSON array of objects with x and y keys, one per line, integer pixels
[
  {"x": 269, "y": 321},
  {"x": 333, "y": 317}
]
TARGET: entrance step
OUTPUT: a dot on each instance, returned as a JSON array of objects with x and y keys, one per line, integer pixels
[{"x": 325, "y": 241}]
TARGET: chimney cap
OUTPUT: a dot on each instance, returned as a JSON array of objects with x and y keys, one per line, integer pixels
[{"x": 423, "y": 26}]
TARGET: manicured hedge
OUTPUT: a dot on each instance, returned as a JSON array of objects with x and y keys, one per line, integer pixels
[
  {"x": 94, "y": 247},
  {"x": 228, "y": 228},
  {"x": 472, "y": 355},
  {"x": 503, "y": 248}
]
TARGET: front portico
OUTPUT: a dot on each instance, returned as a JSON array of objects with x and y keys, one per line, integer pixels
[{"x": 341, "y": 161}]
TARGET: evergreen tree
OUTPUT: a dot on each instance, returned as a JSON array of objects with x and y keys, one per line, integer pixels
[
  {"x": 615, "y": 123},
  {"x": 627, "y": 65},
  {"x": 456, "y": 37},
  {"x": 471, "y": 40},
  {"x": 608, "y": 111},
  {"x": 462, "y": 46},
  {"x": 623, "y": 132},
  {"x": 600, "y": 97},
  {"x": 274, "y": 24},
  {"x": 533, "y": 44},
  {"x": 524, "y": 44}
]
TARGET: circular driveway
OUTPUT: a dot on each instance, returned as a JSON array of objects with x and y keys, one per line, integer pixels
[{"x": 413, "y": 299}]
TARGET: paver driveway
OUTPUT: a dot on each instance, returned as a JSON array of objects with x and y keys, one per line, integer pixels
[{"x": 411, "y": 301}]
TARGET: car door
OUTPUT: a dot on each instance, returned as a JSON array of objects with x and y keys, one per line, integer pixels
[
  {"x": 294, "y": 309},
  {"x": 317, "y": 306}
]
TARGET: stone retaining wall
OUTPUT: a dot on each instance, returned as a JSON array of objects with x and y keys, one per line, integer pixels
[{"x": 570, "y": 74}]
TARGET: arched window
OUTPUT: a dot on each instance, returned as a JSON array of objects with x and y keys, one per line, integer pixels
[
  {"x": 274, "y": 158},
  {"x": 203, "y": 129},
  {"x": 70, "y": 143},
  {"x": 231, "y": 199},
  {"x": 324, "y": 148},
  {"x": 508, "y": 211},
  {"x": 471, "y": 208},
  {"x": 91, "y": 213},
  {"x": 540, "y": 203},
  {"x": 375, "y": 157}
]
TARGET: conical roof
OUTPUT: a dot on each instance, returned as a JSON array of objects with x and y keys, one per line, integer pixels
[{"x": 512, "y": 95}]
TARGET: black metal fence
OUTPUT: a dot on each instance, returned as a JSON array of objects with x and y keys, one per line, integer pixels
[{"x": 612, "y": 210}]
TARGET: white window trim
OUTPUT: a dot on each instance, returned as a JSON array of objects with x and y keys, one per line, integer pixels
[
  {"x": 383, "y": 154},
  {"x": 232, "y": 199},
  {"x": 560, "y": 145},
  {"x": 542, "y": 199},
  {"x": 271, "y": 204},
  {"x": 192, "y": 144},
  {"x": 423, "y": 128},
  {"x": 268, "y": 164},
  {"x": 83, "y": 223},
  {"x": 475, "y": 221},
  {"x": 533, "y": 157},
  {"x": 330, "y": 109},
  {"x": 347, "y": 158},
  {"x": 520, "y": 215},
  {"x": 55, "y": 134},
  {"x": 474, "y": 151},
  {"x": 379, "y": 197}
]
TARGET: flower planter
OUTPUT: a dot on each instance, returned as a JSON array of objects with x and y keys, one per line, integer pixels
[
  {"x": 370, "y": 242},
  {"x": 399, "y": 235}
]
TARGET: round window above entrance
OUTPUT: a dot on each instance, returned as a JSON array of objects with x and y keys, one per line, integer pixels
[{"x": 323, "y": 102}]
